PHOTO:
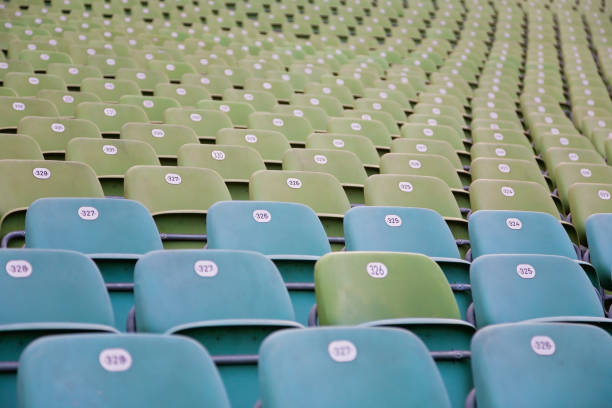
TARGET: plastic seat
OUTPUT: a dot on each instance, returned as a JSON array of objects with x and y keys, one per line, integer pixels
[
  {"x": 235, "y": 164},
  {"x": 21, "y": 107},
  {"x": 25, "y": 84},
  {"x": 53, "y": 134},
  {"x": 586, "y": 199},
  {"x": 360, "y": 145},
  {"x": 185, "y": 94},
  {"x": 115, "y": 370},
  {"x": 238, "y": 112},
  {"x": 514, "y": 288},
  {"x": 46, "y": 292},
  {"x": 316, "y": 116},
  {"x": 184, "y": 293},
  {"x": 400, "y": 373},
  {"x": 165, "y": 139},
  {"x": 372, "y": 129},
  {"x": 73, "y": 74},
  {"x": 597, "y": 228},
  {"x": 384, "y": 117},
  {"x": 110, "y": 117},
  {"x": 281, "y": 90},
  {"x": 270, "y": 144},
  {"x": 19, "y": 147},
  {"x": 431, "y": 146},
  {"x": 110, "y": 159},
  {"x": 146, "y": 80},
  {"x": 261, "y": 101},
  {"x": 507, "y": 169},
  {"x": 320, "y": 191},
  {"x": 174, "y": 70},
  {"x": 24, "y": 181},
  {"x": 154, "y": 106},
  {"x": 568, "y": 355},
  {"x": 109, "y": 65},
  {"x": 400, "y": 290},
  {"x": 437, "y": 132},
  {"x": 295, "y": 129},
  {"x": 330, "y": 104},
  {"x": 109, "y": 90},
  {"x": 40, "y": 59},
  {"x": 66, "y": 101},
  {"x": 567, "y": 174},
  {"x": 178, "y": 198},
  {"x": 206, "y": 123}
]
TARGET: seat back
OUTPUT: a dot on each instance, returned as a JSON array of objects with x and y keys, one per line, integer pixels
[
  {"x": 344, "y": 165},
  {"x": 421, "y": 164},
  {"x": 53, "y": 134},
  {"x": 231, "y": 162},
  {"x": 598, "y": 232},
  {"x": 165, "y": 139},
  {"x": 19, "y": 147}
]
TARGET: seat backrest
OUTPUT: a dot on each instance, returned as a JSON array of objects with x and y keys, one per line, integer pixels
[
  {"x": 348, "y": 367},
  {"x": 231, "y": 162},
  {"x": 360, "y": 145},
  {"x": 53, "y": 134},
  {"x": 343, "y": 164},
  {"x": 19, "y": 147},
  {"x": 398, "y": 229},
  {"x": 506, "y": 169},
  {"x": 17, "y": 108},
  {"x": 267, "y": 227},
  {"x": 165, "y": 139},
  {"x": 172, "y": 288},
  {"x": 118, "y": 370},
  {"x": 52, "y": 286},
  {"x": 358, "y": 287},
  {"x": 270, "y": 144},
  {"x": 518, "y": 232},
  {"x": 512, "y": 288},
  {"x": 320, "y": 191},
  {"x": 421, "y": 164},
  {"x": 567, "y": 355},
  {"x": 91, "y": 226},
  {"x": 174, "y": 189},
  {"x": 568, "y": 174},
  {"x": 110, "y": 117}
]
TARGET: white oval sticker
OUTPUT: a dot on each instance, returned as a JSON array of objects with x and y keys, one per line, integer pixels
[
  {"x": 110, "y": 112},
  {"x": 19, "y": 106},
  {"x": 18, "y": 268},
  {"x": 415, "y": 164},
  {"x": 224, "y": 108},
  {"x": 514, "y": 223},
  {"x": 294, "y": 182},
  {"x": 428, "y": 132},
  {"x": 507, "y": 191},
  {"x": 41, "y": 173},
  {"x": 604, "y": 194},
  {"x": 376, "y": 270},
  {"x": 250, "y": 138},
  {"x": 338, "y": 142},
  {"x": 218, "y": 155},
  {"x": 342, "y": 351},
  {"x": 115, "y": 359},
  {"x": 158, "y": 133},
  {"x": 172, "y": 178},
  {"x": 405, "y": 186},
  {"x": 68, "y": 99},
  {"x": 573, "y": 156},
  {"x": 109, "y": 86},
  {"x": 196, "y": 117},
  {"x": 504, "y": 168},
  {"x": 109, "y": 149},
  {"x": 586, "y": 173},
  {"x": 356, "y": 126},
  {"x": 543, "y": 345},
  {"x": 525, "y": 271},
  {"x": 320, "y": 159},
  {"x": 278, "y": 122},
  {"x": 88, "y": 213},
  {"x": 393, "y": 220},
  {"x": 262, "y": 216},
  {"x": 181, "y": 91},
  {"x": 314, "y": 101},
  {"x": 206, "y": 269},
  {"x": 58, "y": 127}
]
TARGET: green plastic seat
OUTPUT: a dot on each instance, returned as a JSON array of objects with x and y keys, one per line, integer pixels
[
  {"x": 73, "y": 74},
  {"x": 110, "y": 117},
  {"x": 567, "y": 354},
  {"x": 586, "y": 199},
  {"x": 261, "y": 101},
  {"x": 109, "y": 90},
  {"x": 186, "y": 95},
  {"x": 281, "y": 90},
  {"x": 598, "y": 229},
  {"x": 344, "y": 165},
  {"x": 66, "y": 101},
  {"x": 178, "y": 198},
  {"x": 330, "y": 104},
  {"x": 507, "y": 169},
  {"x": 519, "y": 287},
  {"x": 146, "y": 80},
  {"x": 14, "y": 65},
  {"x": 25, "y": 84},
  {"x": 40, "y": 59},
  {"x": 114, "y": 370},
  {"x": 384, "y": 117},
  {"x": 506, "y": 136},
  {"x": 360, "y": 145},
  {"x": 215, "y": 85},
  {"x": 192, "y": 306},
  {"x": 19, "y": 147},
  {"x": 557, "y": 155},
  {"x": 165, "y": 139},
  {"x": 394, "y": 364},
  {"x": 53, "y": 134},
  {"x": 46, "y": 292},
  {"x": 110, "y": 159},
  {"x": 110, "y": 64},
  {"x": 567, "y": 174},
  {"x": 428, "y": 146},
  {"x": 21, "y": 107},
  {"x": 501, "y": 150},
  {"x": 437, "y": 132},
  {"x": 238, "y": 112},
  {"x": 372, "y": 129},
  {"x": 270, "y": 144},
  {"x": 295, "y": 128},
  {"x": 416, "y": 191},
  {"x": 24, "y": 181},
  {"x": 154, "y": 106},
  {"x": 113, "y": 233},
  {"x": 314, "y": 115},
  {"x": 320, "y": 191},
  {"x": 205, "y": 122},
  {"x": 403, "y": 290},
  {"x": 173, "y": 70}
]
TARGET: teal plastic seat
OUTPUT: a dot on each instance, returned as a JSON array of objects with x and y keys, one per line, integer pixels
[
  {"x": 404, "y": 229},
  {"x": 520, "y": 355},
  {"x": 348, "y": 367},
  {"x": 271, "y": 229},
  {"x": 599, "y": 233},
  {"x": 519, "y": 287},
  {"x": 119, "y": 370},
  {"x": 186, "y": 293},
  {"x": 44, "y": 292},
  {"x": 113, "y": 233}
]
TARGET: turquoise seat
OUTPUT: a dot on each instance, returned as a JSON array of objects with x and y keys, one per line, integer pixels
[
  {"x": 513, "y": 288},
  {"x": 44, "y": 292},
  {"x": 599, "y": 235},
  {"x": 290, "y": 234},
  {"x": 114, "y": 233},
  {"x": 516, "y": 357},
  {"x": 348, "y": 367},
  {"x": 229, "y": 301},
  {"x": 118, "y": 371},
  {"x": 405, "y": 229},
  {"x": 522, "y": 232}
]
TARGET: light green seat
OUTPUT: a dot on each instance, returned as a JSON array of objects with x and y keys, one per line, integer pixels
[
  {"x": 392, "y": 367},
  {"x": 19, "y": 147},
  {"x": 506, "y": 136},
  {"x": 25, "y": 84},
  {"x": 154, "y": 106},
  {"x": 270, "y": 144},
  {"x": 281, "y": 90},
  {"x": 110, "y": 64},
  {"x": 567, "y": 174},
  {"x": 178, "y": 198},
  {"x": 360, "y": 145},
  {"x": 205, "y": 122},
  {"x": 24, "y": 181},
  {"x": 400, "y": 290},
  {"x": 215, "y": 85},
  {"x": 66, "y": 101},
  {"x": 110, "y": 159},
  {"x": 295, "y": 128},
  {"x": 188, "y": 302},
  {"x": 316, "y": 116},
  {"x": 165, "y": 139},
  {"x": 238, "y": 112},
  {"x": 40, "y": 59},
  {"x": 185, "y": 94},
  {"x": 109, "y": 90},
  {"x": 507, "y": 169},
  {"x": 437, "y": 132},
  {"x": 372, "y": 129},
  {"x": 431, "y": 146},
  {"x": 235, "y": 164},
  {"x": 557, "y": 155},
  {"x": 110, "y": 117},
  {"x": 568, "y": 355},
  {"x": 69, "y": 297},
  {"x": 73, "y": 74},
  {"x": 501, "y": 150},
  {"x": 145, "y": 79},
  {"x": 262, "y": 101},
  {"x": 111, "y": 370},
  {"x": 174, "y": 70},
  {"x": 330, "y": 104},
  {"x": 586, "y": 199},
  {"x": 384, "y": 117}
]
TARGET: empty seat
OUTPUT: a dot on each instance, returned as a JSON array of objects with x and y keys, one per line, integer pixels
[
  {"x": 238, "y": 112},
  {"x": 66, "y": 101},
  {"x": 270, "y": 144},
  {"x": 109, "y": 117},
  {"x": 567, "y": 174},
  {"x": 598, "y": 232},
  {"x": 586, "y": 199},
  {"x": 25, "y": 84},
  {"x": 295, "y": 129},
  {"x": 20, "y": 147},
  {"x": 569, "y": 356},
  {"x": 21, "y": 107},
  {"x": 206, "y": 123},
  {"x": 154, "y": 106},
  {"x": 360, "y": 145},
  {"x": 348, "y": 367},
  {"x": 373, "y": 129},
  {"x": 109, "y": 90},
  {"x": 114, "y": 233},
  {"x": 186, "y": 292},
  {"x": 165, "y": 139},
  {"x": 185, "y": 94},
  {"x": 115, "y": 370}
]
